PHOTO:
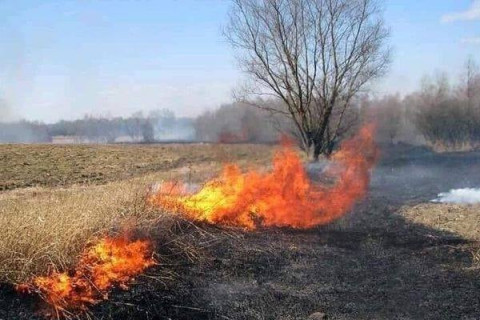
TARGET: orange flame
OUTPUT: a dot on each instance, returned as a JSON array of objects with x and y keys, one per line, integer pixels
[
  {"x": 110, "y": 262},
  {"x": 283, "y": 197}
]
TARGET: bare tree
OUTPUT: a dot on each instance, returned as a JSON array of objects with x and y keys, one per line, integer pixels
[
  {"x": 448, "y": 116},
  {"x": 314, "y": 55},
  {"x": 472, "y": 81},
  {"x": 148, "y": 132},
  {"x": 133, "y": 125}
]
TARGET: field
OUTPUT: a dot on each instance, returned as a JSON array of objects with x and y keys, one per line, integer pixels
[
  {"x": 26, "y": 165},
  {"x": 395, "y": 256}
]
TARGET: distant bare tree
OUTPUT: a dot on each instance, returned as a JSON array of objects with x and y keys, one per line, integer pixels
[
  {"x": 472, "y": 81},
  {"x": 148, "y": 132},
  {"x": 133, "y": 125},
  {"x": 314, "y": 55}
]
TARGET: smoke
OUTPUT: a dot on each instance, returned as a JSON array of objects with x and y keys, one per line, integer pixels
[
  {"x": 237, "y": 122},
  {"x": 174, "y": 129},
  {"x": 14, "y": 130},
  {"x": 6, "y": 113},
  {"x": 462, "y": 196},
  {"x": 159, "y": 125}
]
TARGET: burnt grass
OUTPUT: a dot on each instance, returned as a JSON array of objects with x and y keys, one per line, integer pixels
[{"x": 373, "y": 264}]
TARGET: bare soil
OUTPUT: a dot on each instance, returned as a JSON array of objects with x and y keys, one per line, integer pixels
[
  {"x": 32, "y": 165},
  {"x": 379, "y": 262}
]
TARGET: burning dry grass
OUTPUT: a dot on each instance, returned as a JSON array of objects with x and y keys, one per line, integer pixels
[
  {"x": 264, "y": 275},
  {"x": 49, "y": 229},
  {"x": 67, "y": 245},
  {"x": 109, "y": 262},
  {"x": 46, "y": 229},
  {"x": 283, "y": 197},
  {"x": 57, "y": 242}
]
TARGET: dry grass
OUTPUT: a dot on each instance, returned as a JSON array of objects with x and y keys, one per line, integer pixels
[
  {"x": 45, "y": 229},
  {"x": 463, "y": 220},
  {"x": 465, "y": 146},
  {"x": 48, "y": 227}
]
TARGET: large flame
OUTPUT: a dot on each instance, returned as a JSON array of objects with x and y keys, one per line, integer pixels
[
  {"x": 110, "y": 262},
  {"x": 283, "y": 197}
]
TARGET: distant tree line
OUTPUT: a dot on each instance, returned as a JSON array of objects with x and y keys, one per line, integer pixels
[
  {"x": 448, "y": 115},
  {"x": 236, "y": 123},
  {"x": 157, "y": 125},
  {"x": 23, "y": 132},
  {"x": 442, "y": 114}
]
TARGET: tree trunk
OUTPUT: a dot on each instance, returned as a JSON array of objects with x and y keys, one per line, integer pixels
[
  {"x": 329, "y": 149},
  {"x": 317, "y": 150}
]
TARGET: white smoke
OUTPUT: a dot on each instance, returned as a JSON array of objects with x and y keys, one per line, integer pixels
[
  {"x": 6, "y": 113},
  {"x": 189, "y": 187},
  {"x": 464, "y": 196}
]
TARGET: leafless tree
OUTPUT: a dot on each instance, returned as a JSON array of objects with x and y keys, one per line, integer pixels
[
  {"x": 448, "y": 116},
  {"x": 314, "y": 55},
  {"x": 472, "y": 81}
]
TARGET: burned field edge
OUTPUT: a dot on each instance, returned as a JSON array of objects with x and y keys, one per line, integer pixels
[
  {"x": 373, "y": 263},
  {"x": 347, "y": 271}
]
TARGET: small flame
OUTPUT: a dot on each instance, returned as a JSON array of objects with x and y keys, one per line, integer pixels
[
  {"x": 110, "y": 262},
  {"x": 283, "y": 197}
]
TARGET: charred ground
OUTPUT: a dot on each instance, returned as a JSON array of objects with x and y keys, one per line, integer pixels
[{"x": 373, "y": 264}]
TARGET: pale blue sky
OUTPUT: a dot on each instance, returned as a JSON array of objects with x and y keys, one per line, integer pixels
[{"x": 64, "y": 59}]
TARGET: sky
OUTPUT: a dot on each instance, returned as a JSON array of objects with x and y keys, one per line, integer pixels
[{"x": 66, "y": 59}]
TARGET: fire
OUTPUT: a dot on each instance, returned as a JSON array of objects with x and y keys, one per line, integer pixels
[
  {"x": 110, "y": 262},
  {"x": 284, "y": 197}
]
